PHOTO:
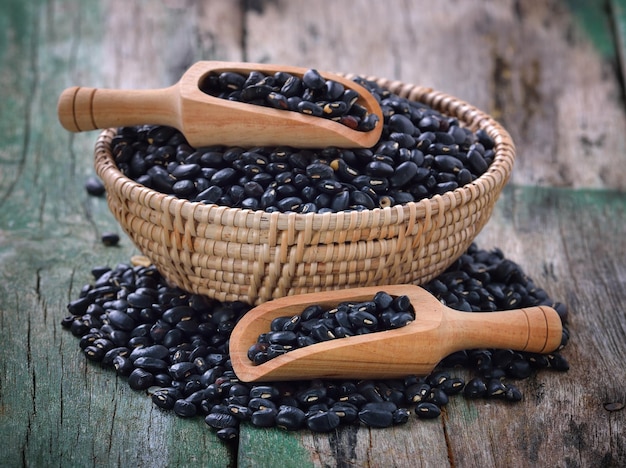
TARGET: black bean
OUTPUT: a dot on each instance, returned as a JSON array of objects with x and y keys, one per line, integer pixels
[
  {"x": 185, "y": 408},
  {"x": 403, "y": 174},
  {"x": 437, "y": 378},
  {"x": 323, "y": 421},
  {"x": 220, "y": 420},
  {"x": 477, "y": 162},
  {"x": 452, "y": 386},
  {"x": 182, "y": 370},
  {"x": 558, "y": 362},
  {"x": 94, "y": 186},
  {"x": 512, "y": 393},
  {"x": 264, "y": 391},
  {"x": 313, "y": 79},
  {"x": 241, "y": 412},
  {"x": 258, "y": 91},
  {"x": 312, "y": 395},
  {"x": 282, "y": 337},
  {"x": 347, "y": 412},
  {"x": 379, "y": 169},
  {"x": 228, "y": 434},
  {"x": 427, "y": 410},
  {"x": 539, "y": 361},
  {"x": 231, "y": 80},
  {"x": 475, "y": 388},
  {"x": 376, "y": 417},
  {"x": 322, "y": 332},
  {"x": 165, "y": 398},
  {"x": 111, "y": 354},
  {"x": 291, "y": 87},
  {"x": 93, "y": 353},
  {"x": 340, "y": 202},
  {"x": 361, "y": 318},
  {"x": 495, "y": 388},
  {"x": 110, "y": 239},
  {"x": 312, "y": 312},
  {"x": 335, "y": 109},
  {"x": 277, "y": 101},
  {"x": 310, "y": 108},
  {"x": 289, "y": 204},
  {"x": 437, "y": 396},
  {"x": 150, "y": 364},
  {"x": 259, "y": 403},
  {"x": 177, "y": 313},
  {"x": 519, "y": 369},
  {"x": 210, "y": 195},
  {"x": 290, "y": 418},
  {"x": 224, "y": 176},
  {"x": 264, "y": 417},
  {"x": 464, "y": 177},
  {"x": 120, "y": 320},
  {"x": 140, "y": 379}
]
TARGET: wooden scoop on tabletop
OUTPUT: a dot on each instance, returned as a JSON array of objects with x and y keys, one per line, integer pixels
[
  {"x": 417, "y": 348},
  {"x": 207, "y": 120}
]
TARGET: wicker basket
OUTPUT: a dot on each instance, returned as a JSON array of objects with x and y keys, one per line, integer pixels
[{"x": 254, "y": 256}]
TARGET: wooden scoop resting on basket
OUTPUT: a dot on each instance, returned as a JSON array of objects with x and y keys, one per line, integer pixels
[
  {"x": 417, "y": 348},
  {"x": 207, "y": 120}
]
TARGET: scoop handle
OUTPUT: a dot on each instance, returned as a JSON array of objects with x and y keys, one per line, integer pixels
[
  {"x": 533, "y": 329},
  {"x": 80, "y": 109}
]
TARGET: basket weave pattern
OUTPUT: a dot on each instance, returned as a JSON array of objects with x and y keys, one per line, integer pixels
[{"x": 255, "y": 256}]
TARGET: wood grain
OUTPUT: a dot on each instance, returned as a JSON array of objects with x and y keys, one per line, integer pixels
[
  {"x": 529, "y": 63},
  {"x": 526, "y": 63}
]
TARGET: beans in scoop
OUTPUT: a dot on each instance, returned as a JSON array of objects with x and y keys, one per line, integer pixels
[
  {"x": 317, "y": 324},
  {"x": 173, "y": 346},
  {"x": 421, "y": 153},
  {"x": 311, "y": 94}
]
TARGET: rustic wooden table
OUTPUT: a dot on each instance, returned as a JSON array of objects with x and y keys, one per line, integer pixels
[{"x": 551, "y": 72}]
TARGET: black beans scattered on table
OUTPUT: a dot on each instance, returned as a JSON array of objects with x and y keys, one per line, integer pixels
[
  {"x": 94, "y": 186},
  {"x": 316, "y": 324},
  {"x": 173, "y": 345},
  {"x": 310, "y": 94},
  {"x": 110, "y": 239},
  {"x": 421, "y": 153}
]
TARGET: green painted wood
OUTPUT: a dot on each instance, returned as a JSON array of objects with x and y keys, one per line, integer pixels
[
  {"x": 594, "y": 17},
  {"x": 57, "y": 409},
  {"x": 618, "y": 16}
]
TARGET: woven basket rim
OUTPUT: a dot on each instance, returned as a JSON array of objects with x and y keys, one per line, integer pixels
[{"x": 496, "y": 176}]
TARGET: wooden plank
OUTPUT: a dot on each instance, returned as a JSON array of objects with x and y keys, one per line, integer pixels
[
  {"x": 617, "y": 9},
  {"x": 530, "y": 64},
  {"x": 572, "y": 244},
  {"x": 55, "y": 407},
  {"x": 562, "y": 421},
  {"x": 418, "y": 443}
]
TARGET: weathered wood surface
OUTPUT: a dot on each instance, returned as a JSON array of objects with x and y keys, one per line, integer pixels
[{"x": 548, "y": 70}]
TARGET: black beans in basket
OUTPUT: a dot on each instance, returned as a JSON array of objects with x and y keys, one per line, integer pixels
[
  {"x": 421, "y": 153},
  {"x": 198, "y": 378}
]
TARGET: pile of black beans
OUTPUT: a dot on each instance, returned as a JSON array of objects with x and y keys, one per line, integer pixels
[
  {"x": 311, "y": 95},
  {"x": 316, "y": 324},
  {"x": 421, "y": 153},
  {"x": 174, "y": 346}
]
